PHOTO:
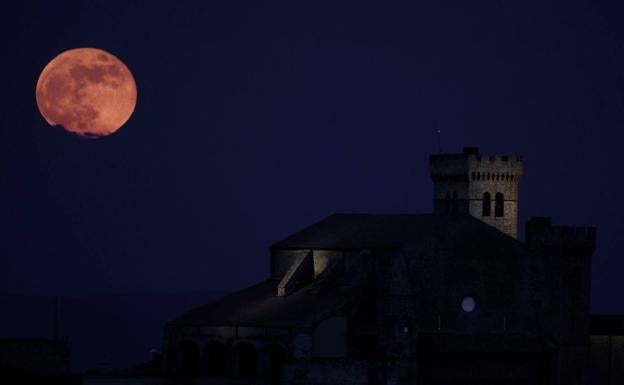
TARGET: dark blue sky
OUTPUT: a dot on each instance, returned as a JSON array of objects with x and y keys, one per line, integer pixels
[{"x": 256, "y": 119}]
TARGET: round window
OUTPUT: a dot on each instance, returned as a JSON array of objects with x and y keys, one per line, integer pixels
[{"x": 468, "y": 304}]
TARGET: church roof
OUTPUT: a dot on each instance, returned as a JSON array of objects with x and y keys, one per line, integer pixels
[
  {"x": 259, "y": 305},
  {"x": 362, "y": 231}
]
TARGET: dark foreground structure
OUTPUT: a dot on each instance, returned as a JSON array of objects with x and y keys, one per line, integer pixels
[
  {"x": 451, "y": 297},
  {"x": 35, "y": 361}
]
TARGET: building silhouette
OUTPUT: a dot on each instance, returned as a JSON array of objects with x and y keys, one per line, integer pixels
[{"x": 451, "y": 297}]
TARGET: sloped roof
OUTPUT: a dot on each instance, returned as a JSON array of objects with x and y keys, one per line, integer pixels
[
  {"x": 259, "y": 305},
  {"x": 361, "y": 231}
]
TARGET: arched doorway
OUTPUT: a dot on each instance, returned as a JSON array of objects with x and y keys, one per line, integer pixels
[
  {"x": 188, "y": 359},
  {"x": 247, "y": 359},
  {"x": 214, "y": 359},
  {"x": 276, "y": 356}
]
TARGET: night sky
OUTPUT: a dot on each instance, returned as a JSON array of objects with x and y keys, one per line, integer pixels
[{"x": 256, "y": 119}]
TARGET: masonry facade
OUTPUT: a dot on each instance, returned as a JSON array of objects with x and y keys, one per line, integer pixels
[
  {"x": 484, "y": 186},
  {"x": 451, "y": 297}
]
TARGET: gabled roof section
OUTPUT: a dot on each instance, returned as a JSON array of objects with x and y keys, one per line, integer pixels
[
  {"x": 363, "y": 231},
  {"x": 259, "y": 305}
]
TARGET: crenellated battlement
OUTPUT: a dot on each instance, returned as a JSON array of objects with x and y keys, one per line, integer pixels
[
  {"x": 544, "y": 238},
  {"x": 484, "y": 186},
  {"x": 472, "y": 166}
]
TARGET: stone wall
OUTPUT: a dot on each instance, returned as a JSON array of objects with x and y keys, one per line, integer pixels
[
  {"x": 607, "y": 359},
  {"x": 327, "y": 372},
  {"x": 565, "y": 309},
  {"x": 461, "y": 180}
]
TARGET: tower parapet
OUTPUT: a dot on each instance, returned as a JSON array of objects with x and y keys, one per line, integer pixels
[
  {"x": 484, "y": 186},
  {"x": 544, "y": 238}
]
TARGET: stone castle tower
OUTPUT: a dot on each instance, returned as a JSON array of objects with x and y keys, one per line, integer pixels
[{"x": 484, "y": 186}]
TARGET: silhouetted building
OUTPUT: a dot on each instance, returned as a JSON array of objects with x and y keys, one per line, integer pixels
[
  {"x": 451, "y": 297},
  {"x": 35, "y": 361},
  {"x": 38, "y": 356}
]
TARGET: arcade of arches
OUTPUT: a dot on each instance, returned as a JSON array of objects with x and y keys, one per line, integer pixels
[{"x": 241, "y": 359}]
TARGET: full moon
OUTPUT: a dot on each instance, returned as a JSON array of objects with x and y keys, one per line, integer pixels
[{"x": 88, "y": 91}]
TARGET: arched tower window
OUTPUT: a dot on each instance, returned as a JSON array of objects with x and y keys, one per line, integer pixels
[
  {"x": 487, "y": 204},
  {"x": 499, "y": 205},
  {"x": 455, "y": 203}
]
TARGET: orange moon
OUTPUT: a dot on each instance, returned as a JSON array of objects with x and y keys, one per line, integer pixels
[{"x": 88, "y": 91}]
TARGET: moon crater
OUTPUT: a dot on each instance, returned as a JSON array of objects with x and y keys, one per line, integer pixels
[{"x": 87, "y": 91}]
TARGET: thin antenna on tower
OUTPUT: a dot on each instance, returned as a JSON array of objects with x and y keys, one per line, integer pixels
[
  {"x": 439, "y": 134},
  {"x": 56, "y": 318}
]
